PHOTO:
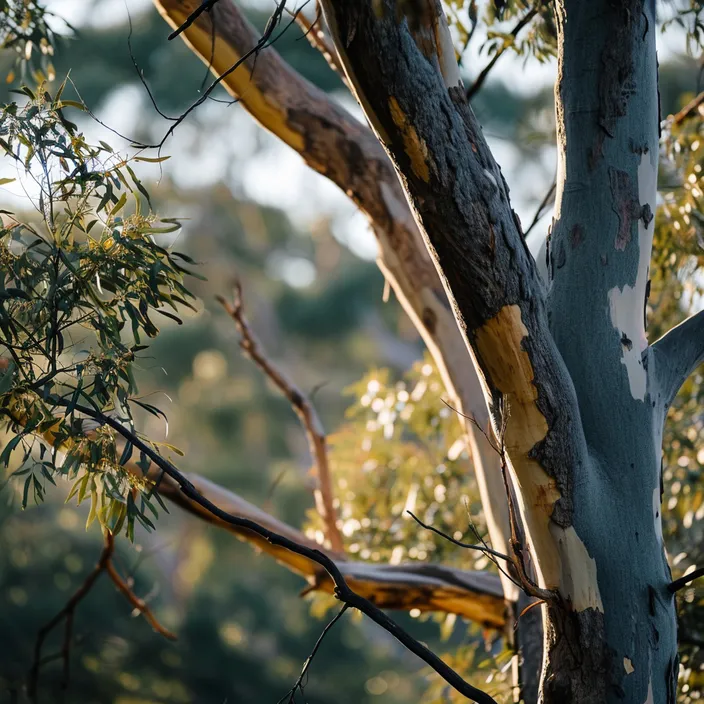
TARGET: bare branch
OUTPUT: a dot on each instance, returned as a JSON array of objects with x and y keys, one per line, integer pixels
[
  {"x": 688, "y": 110},
  {"x": 468, "y": 546},
  {"x": 205, "y": 6},
  {"x": 540, "y": 211},
  {"x": 137, "y": 603},
  {"x": 317, "y": 441},
  {"x": 313, "y": 32},
  {"x": 677, "y": 354},
  {"x": 684, "y": 581},
  {"x": 477, "y": 596},
  {"x": 66, "y": 615},
  {"x": 299, "y": 682}
]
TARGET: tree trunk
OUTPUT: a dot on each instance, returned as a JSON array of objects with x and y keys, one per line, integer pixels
[
  {"x": 567, "y": 373},
  {"x": 598, "y": 265}
]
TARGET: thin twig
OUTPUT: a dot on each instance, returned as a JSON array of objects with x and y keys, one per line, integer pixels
[
  {"x": 342, "y": 590},
  {"x": 66, "y": 614},
  {"x": 684, "y": 581},
  {"x": 541, "y": 208},
  {"x": 205, "y": 6},
  {"x": 317, "y": 441},
  {"x": 481, "y": 548},
  {"x": 137, "y": 603},
  {"x": 479, "y": 82},
  {"x": 317, "y": 39},
  {"x": 306, "y": 665}
]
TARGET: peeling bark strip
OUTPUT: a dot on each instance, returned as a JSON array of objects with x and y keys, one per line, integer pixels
[
  {"x": 464, "y": 213},
  {"x": 334, "y": 144}
]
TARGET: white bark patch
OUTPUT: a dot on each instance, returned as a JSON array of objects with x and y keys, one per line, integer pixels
[
  {"x": 578, "y": 577},
  {"x": 537, "y": 245},
  {"x": 491, "y": 178},
  {"x": 650, "y": 699},
  {"x": 627, "y": 304},
  {"x": 446, "y": 54},
  {"x": 657, "y": 514},
  {"x": 628, "y": 666}
]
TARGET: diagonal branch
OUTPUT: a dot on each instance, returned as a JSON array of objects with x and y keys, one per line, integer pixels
[
  {"x": 313, "y": 32},
  {"x": 138, "y": 604},
  {"x": 685, "y": 580},
  {"x": 66, "y": 614},
  {"x": 677, "y": 354},
  {"x": 317, "y": 441},
  {"x": 688, "y": 110},
  {"x": 342, "y": 590},
  {"x": 477, "y": 596}
]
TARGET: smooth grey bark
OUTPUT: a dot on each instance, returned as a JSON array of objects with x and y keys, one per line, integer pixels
[
  {"x": 598, "y": 266},
  {"x": 677, "y": 354},
  {"x": 581, "y": 350}
]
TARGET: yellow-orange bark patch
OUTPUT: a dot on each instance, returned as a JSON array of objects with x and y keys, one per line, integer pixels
[{"x": 413, "y": 144}]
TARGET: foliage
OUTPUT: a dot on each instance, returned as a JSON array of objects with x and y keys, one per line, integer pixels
[
  {"x": 78, "y": 291},
  {"x": 25, "y": 30}
]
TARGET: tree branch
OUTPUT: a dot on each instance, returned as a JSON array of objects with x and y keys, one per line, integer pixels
[
  {"x": 688, "y": 110},
  {"x": 418, "y": 108},
  {"x": 137, "y": 603},
  {"x": 476, "y": 596},
  {"x": 66, "y": 615},
  {"x": 313, "y": 32},
  {"x": 299, "y": 682},
  {"x": 304, "y": 409},
  {"x": 677, "y": 354},
  {"x": 684, "y": 581},
  {"x": 342, "y": 590}
]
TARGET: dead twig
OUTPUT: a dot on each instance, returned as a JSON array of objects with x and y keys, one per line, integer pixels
[
  {"x": 137, "y": 603},
  {"x": 317, "y": 441},
  {"x": 66, "y": 614},
  {"x": 306, "y": 665},
  {"x": 541, "y": 208},
  {"x": 313, "y": 32}
]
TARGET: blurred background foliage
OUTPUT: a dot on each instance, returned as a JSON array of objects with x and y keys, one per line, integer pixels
[{"x": 318, "y": 306}]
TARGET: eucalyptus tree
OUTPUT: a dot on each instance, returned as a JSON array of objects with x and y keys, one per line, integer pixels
[
  {"x": 576, "y": 394},
  {"x": 545, "y": 357}
]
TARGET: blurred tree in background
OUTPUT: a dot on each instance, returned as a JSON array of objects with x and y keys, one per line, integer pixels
[{"x": 243, "y": 633}]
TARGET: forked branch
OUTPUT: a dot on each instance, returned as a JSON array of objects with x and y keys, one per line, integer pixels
[
  {"x": 317, "y": 441},
  {"x": 67, "y": 613},
  {"x": 342, "y": 591},
  {"x": 677, "y": 354}
]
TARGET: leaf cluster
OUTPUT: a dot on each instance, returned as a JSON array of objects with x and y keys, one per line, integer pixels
[{"x": 82, "y": 280}]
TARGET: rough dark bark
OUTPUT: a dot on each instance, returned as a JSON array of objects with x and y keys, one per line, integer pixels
[{"x": 336, "y": 145}]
